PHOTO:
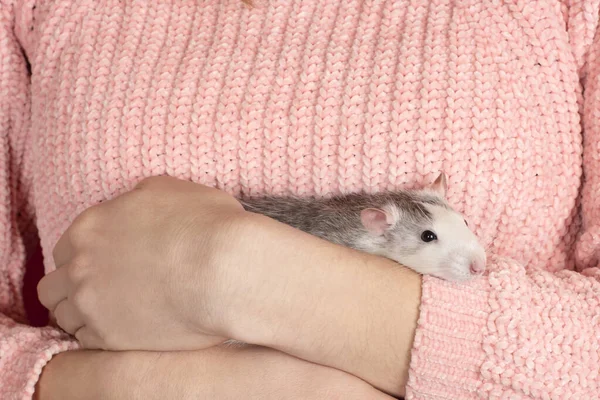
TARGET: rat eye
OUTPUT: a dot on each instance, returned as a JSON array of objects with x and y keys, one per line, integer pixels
[
  {"x": 428, "y": 236},
  {"x": 466, "y": 223}
]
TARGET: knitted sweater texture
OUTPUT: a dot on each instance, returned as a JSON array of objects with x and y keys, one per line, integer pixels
[{"x": 321, "y": 97}]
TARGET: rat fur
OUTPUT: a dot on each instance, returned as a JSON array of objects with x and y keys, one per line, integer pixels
[{"x": 396, "y": 225}]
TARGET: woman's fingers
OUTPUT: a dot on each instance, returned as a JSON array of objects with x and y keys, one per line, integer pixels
[
  {"x": 53, "y": 288},
  {"x": 88, "y": 338},
  {"x": 67, "y": 317}
]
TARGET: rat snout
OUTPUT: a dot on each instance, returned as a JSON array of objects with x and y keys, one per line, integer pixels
[{"x": 477, "y": 266}]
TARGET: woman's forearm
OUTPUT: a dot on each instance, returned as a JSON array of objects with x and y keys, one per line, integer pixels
[
  {"x": 341, "y": 308},
  {"x": 139, "y": 375},
  {"x": 364, "y": 323},
  {"x": 107, "y": 375},
  {"x": 218, "y": 373}
]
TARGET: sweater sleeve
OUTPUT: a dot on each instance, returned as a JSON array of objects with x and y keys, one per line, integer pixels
[
  {"x": 524, "y": 334},
  {"x": 24, "y": 350}
]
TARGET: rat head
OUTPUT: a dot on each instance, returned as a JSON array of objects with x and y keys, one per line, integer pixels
[{"x": 420, "y": 230}]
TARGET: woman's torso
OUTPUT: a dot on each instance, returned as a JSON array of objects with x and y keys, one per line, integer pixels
[{"x": 312, "y": 97}]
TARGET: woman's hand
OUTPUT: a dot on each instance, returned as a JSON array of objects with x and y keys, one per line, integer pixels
[
  {"x": 138, "y": 272},
  {"x": 217, "y": 373}
]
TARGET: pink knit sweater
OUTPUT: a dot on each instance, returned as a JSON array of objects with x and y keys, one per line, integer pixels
[{"x": 318, "y": 97}]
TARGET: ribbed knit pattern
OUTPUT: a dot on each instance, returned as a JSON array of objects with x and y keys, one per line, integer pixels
[{"x": 323, "y": 97}]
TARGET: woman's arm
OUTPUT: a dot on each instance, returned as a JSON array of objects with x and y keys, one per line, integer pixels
[
  {"x": 329, "y": 304},
  {"x": 215, "y": 373}
]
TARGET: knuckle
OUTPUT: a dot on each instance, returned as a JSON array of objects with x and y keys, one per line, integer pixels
[
  {"x": 85, "y": 221},
  {"x": 59, "y": 315},
  {"x": 80, "y": 298},
  {"x": 42, "y": 292},
  {"x": 78, "y": 269}
]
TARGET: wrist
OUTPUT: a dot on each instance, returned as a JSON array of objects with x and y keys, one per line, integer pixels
[
  {"x": 207, "y": 259},
  {"x": 263, "y": 256}
]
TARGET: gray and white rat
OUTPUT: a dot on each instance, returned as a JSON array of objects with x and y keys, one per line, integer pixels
[{"x": 416, "y": 228}]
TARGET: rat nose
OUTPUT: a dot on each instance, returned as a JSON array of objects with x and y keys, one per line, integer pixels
[{"x": 477, "y": 267}]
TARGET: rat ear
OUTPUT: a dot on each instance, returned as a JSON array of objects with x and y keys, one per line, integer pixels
[
  {"x": 440, "y": 185},
  {"x": 376, "y": 221}
]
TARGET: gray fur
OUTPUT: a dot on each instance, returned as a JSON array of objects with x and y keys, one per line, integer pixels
[{"x": 337, "y": 219}]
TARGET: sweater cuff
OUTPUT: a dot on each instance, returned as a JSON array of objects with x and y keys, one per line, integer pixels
[
  {"x": 447, "y": 352},
  {"x": 25, "y": 357}
]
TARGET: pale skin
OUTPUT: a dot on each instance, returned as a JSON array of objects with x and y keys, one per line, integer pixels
[
  {"x": 174, "y": 265},
  {"x": 215, "y": 373}
]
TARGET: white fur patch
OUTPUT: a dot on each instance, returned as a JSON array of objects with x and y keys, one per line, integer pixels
[{"x": 456, "y": 247}]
